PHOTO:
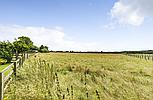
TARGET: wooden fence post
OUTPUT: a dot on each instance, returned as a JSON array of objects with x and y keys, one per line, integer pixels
[
  {"x": 27, "y": 55},
  {"x": 14, "y": 69},
  {"x": 20, "y": 62},
  {"x": 1, "y": 86},
  {"x": 24, "y": 56},
  {"x": 22, "y": 59}
]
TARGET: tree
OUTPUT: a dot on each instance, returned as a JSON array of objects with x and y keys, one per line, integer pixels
[
  {"x": 34, "y": 47},
  {"x": 6, "y": 50},
  {"x": 43, "y": 49},
  {"x": 22, "y": 44}
]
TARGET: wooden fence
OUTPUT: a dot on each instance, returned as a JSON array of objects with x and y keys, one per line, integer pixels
[
  {"x": 5, "y": 74},
  {"x": 142, "y": 56}
]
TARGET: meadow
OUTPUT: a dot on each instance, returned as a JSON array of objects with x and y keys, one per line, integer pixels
[
  {"x": 70, "y": 76},
  {"x": 4, "y": 66}
]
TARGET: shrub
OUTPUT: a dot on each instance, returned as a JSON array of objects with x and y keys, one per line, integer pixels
[
  {"x": 3, "y": 61},
  {"x": 43, "y": 49}
]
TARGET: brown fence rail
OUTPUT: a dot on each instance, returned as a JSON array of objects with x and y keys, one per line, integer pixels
[{"x": 5, "y": 74}]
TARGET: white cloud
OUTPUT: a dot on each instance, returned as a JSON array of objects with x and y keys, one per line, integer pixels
[
  {"x": 132, "y": 12},
  {"x": 109, "y": 26},
  {"x": 52, "y": 37}
]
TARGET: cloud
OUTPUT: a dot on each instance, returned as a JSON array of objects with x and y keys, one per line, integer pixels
[
  {"x": 55, "y": 37},
  {"x": 109, "y": 26},
  {"x": 132, "y": 12}
]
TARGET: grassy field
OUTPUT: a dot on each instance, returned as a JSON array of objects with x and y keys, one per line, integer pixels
[
  {"x": 56, "y": 76},
  {"x": 4, "y": 66}
]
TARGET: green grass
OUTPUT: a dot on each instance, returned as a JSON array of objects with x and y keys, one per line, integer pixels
[
  {"x": 4, "y": 66},
  {"x": 55, "y": 76}
]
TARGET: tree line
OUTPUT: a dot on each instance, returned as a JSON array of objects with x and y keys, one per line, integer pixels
[
  {"x": 139, "y": 52},
  {"x": 22, "y": 45}
]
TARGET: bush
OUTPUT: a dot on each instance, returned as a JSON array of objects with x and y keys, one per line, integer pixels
[
  {"x": 43, "y": 49},
  {"x": 6, "y": 51},
  {"x": 3, "y": 61}
]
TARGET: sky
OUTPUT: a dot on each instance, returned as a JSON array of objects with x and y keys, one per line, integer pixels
[{"x": 80, "y": 25}]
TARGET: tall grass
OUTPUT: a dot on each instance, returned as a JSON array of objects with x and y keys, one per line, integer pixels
[{"x": 57, "y": 76}]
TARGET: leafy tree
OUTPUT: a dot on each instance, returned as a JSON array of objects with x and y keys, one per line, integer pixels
[
  {"x": 43, "y": 49},
  {"x": 33, "y": 47},
  {"x": 6, "y": 50},
  {"x": 22, "y": 44}
]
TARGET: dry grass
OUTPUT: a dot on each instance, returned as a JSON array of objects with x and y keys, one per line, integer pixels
[{"x": 56, "y": 76}]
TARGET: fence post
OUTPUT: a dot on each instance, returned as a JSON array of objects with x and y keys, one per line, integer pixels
[
  {"x": 27, "y": 55},
  {"x": 24, "y": 56},
  {"x": 14, "y": 69},
  {"x": 1, "y": 86},
  {"x": 20, "y": 61}
]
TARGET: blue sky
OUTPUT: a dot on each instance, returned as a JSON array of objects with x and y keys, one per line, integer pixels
[{"x": 99, "y": 25}]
